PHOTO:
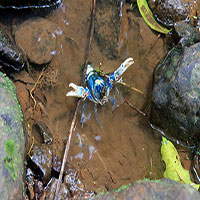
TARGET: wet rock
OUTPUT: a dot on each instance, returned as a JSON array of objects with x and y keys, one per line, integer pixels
[
  {"x": 44, "y": 131},
  {"x": 76, "y": 188},
  {"x": 170, "y": 11},
  {"x": 11, "y": 142},
  {"x": 36, "y": 37},
  {"x": 51, "y": 188},
  {"x": 74, "y": 184},
  {"x": 195, "y": 168},
  {"x": 30, "y": 176},
  {"x": 56, "y": 165},
  {"x": 111, "y": 25},
  {"x": 176, "y": 94},
  {"x": 163, "y": 189},
  {"x": 188, "y": 34},
  {"x": 41, "y": 156},
  {"x": 10, "y": 55},
  {"x": 39, "y": 187},
  {"x": 35, "y": 187},
  {"x": 22, "y": 4}
]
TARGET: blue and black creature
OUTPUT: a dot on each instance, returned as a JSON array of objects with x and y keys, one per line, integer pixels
[{"x": 98, "y": 90}]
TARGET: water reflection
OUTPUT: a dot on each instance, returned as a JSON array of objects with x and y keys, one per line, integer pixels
[
  {"x": 91, "y": 151},
  {"x": 97, "y": 138},
  {"x": 79, "y": 156}
]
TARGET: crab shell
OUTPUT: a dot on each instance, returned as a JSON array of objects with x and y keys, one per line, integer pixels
[{"x": 96, "y": 85}]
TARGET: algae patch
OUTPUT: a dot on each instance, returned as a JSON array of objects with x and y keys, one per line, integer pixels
[{"x": 10, "y": 160}]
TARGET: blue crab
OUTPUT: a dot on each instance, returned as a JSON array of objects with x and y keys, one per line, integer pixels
[{"x": 98, "y": 90}]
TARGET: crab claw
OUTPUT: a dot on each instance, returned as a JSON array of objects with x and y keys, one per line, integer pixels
[
  {"x": 123, "y": 67},
  {"x": 78, "y": 91}
]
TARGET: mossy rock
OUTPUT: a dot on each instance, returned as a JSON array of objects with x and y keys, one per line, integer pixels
[
  {"x": 176, "y": 94},
  {"x": 163, "y": 189},
  {"x": 11, "y": 142}
]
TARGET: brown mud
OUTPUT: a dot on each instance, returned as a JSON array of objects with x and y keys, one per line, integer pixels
[{"x": 124, "y": 149}]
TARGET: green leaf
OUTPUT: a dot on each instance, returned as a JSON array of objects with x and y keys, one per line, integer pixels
[
  {"x": 174, "y": 169},
  {"x": 148, "y": 17}
]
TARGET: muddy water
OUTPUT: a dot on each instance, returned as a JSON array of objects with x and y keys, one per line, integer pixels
[{"x": 124, "y": 149}]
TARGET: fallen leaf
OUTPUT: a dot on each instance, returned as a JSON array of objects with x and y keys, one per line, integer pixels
[
  {"x": 148, "y": 17},
  {"x": 174, "y": 169}
]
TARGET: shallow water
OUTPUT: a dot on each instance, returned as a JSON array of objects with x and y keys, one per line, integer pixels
[{"x": 124, "y": 149}]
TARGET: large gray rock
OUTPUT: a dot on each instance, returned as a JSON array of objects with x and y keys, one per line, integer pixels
[
  {"x": 164, "y": 189},
  {"x": 176, "y": 89},
  {"x": 11, "y": 142},
  {"x": 176, "y": 94}
]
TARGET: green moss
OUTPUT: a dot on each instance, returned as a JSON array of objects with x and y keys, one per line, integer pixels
[
  {"x": 122, "y": 188},
  {"x": 11, "y": 161},
  {"x": 9, "y": 86}
]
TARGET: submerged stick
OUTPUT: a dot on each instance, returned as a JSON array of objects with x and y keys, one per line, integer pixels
[
  {"x": 131, "y": 87},
  {"x": 66, "y": 150},
  {"x": 77, "y": 106},
  {"x": 90, "y": 41},
  {"x": 133, "y": 107}
]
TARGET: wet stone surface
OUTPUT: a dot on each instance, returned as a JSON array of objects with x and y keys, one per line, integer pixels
[
  {"x": 37, "y": 39},
  {"x": 51, "y": 188},
  {"x": 43, "y": 130},
  {"x": 163, "y": 189},
  {"x": 176, "y": 94},
  {"x": 41, "y": 156},
  {"x": 170, "y": 11},
  {"x": 22, "y": 4},
  {"x": 10, "y": 54},
  {"x": 11, "y": 142},
  {"x": 187, "y": 33},
  {"x": 195, "y": 168}
]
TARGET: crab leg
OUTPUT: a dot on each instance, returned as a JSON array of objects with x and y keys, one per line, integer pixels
[
  {"x": 78, "y": 91},
  {"x": 121, "y": 69},
  {"x": 117, "y": 73},
  {"x": 81, "y": 92}
]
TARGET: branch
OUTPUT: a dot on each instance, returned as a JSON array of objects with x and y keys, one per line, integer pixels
[{"x": 133, "y": 107}]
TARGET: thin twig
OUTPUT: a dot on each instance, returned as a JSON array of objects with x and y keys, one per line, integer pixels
[
  {"x": 36, "y": 83},
  {"x": 133, "y": 107},
  {"x": 131, "y": 87},
  {"x": 77, "y": 106},
  {"x": 90, "y": 41},
  {"x": 66, "y": 151}
]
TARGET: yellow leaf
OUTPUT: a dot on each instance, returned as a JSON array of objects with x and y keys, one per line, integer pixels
[
  {"x": 174, "y": 169},
  {"x": 148, "y": 17}
]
